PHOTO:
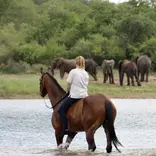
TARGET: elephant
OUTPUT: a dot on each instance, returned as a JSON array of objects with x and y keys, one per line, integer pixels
[
  {"x": 66, "y": 65},
  {"x": 107, "y": 68},
  {"x": 144, "y": 65},
  {"x": 131, "y": 70},
  {"x": 91, "y": 68}
]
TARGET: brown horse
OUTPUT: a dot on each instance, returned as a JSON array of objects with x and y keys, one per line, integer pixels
[{"x": 87, "y": 114}]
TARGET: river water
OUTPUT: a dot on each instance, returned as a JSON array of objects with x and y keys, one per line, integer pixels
[{"x": 25, "y": 129}]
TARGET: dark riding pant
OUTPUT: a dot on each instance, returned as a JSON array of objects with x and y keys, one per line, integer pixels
[{"x": 63, "y": 109}]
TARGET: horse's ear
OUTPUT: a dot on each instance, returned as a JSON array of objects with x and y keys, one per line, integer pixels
[
  {"x": 49, "y": 69},
  {"x": 41, "y": 70}
]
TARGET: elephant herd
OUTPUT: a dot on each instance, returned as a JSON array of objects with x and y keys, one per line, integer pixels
[{"x": 138, "y": 69}]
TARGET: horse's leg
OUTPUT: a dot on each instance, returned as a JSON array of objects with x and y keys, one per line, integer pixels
[
  {"x": 69, "y": 139},
  {"x": 59, "y": 137},
  {"x": 109, "y": 144},
  {"x": 90, "y": 139}
]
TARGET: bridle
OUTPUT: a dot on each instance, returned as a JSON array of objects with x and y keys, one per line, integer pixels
[
  {"x": 41, "y": 84},
  {"x": 52, "y": 107}
]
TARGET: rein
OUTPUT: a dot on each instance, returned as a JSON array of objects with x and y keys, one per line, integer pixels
[
  {"x": 66, "y": 95},
  {"x": 46, "y": 104}
]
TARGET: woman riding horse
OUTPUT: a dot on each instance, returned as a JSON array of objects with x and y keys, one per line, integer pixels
[
  {"x": 87, "y": 114},
  {"x": 77, "y": 82}
]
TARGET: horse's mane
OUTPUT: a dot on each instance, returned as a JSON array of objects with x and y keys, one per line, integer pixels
[{"x": 56, "y": 82}]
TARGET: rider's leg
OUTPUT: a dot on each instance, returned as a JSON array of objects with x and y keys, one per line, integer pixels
[{"x": 63, "y": 109}]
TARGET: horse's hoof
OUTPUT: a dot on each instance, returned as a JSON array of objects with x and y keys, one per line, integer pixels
[
  {"x": 63, "y": 145},
  {"x": 109, "y": 149}
]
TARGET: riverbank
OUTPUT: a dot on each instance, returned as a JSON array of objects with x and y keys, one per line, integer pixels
[{"x": 26, "y": 86}]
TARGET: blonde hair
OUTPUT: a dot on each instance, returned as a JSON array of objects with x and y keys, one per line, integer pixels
[{"x": 80, "y": 62}]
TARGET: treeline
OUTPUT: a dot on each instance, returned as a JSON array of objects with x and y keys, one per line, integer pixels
[{"x": 36, "y": 31}]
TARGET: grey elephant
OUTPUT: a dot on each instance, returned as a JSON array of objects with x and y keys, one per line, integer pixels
[
  {"x": 107, "y": 68},
  {"x": 131, "y": 70},
  {"x": 66, "y": 65},
  {"x": 144, "y": 65}
]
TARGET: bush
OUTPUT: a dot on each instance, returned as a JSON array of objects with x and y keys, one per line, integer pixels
[{"x": 13, "y": 67}]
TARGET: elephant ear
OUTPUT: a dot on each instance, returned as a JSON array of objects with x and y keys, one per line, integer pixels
[
  {"x": 59, "y": 62},
  {"x": 103, "y": 64}
]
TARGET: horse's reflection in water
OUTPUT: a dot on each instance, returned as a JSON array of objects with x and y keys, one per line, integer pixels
[{"x": 87, "y": 115}]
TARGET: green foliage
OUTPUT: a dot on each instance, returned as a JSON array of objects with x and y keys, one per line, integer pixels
[
  {"x": 13, "y": 67},
  {"x": 36, "y": 31},
  {"x": 30, "y": 53},
  {"x": 53, "y": 49},
  {"x": 149, "y": 48}
]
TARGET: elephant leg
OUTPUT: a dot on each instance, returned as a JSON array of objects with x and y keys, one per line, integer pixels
[
  {"x": 113, "y": 79},
  {"x": 138, "y": 74},
  {"x": 147, "y": 76},
  {"x": 142, "y": 77},
  {"x": 128, "y": 80},
  {"x": 110, "y": 80},
  {"x": 62, "y": 74},
  {"x": 121, "y": 78},
  {"x": 137, "y": 80},
  {"x": 132, "y": 80},
  {"x": 104, "y": 79},
  {"x": 94, "y": 76}
]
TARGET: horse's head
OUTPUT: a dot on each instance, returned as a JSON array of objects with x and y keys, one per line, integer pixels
[
  {"x": 43, "y": 91},
  {"x": 48, "y": 82}
]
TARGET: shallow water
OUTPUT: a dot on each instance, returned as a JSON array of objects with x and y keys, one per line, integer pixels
[{"x": 25, "y": 129}]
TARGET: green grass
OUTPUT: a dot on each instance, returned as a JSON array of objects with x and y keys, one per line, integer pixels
[{"x": 27, "y": 86}]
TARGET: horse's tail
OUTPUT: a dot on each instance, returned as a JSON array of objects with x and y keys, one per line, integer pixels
[{"x": 110, "y": 123}]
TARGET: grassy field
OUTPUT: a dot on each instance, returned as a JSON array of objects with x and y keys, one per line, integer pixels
[{"x": 24, "y": 86}]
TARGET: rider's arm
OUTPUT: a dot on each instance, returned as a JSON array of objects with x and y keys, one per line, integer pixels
[
  {"x": 68, "y": 86},
  {"x": 69, "y": 80}
]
